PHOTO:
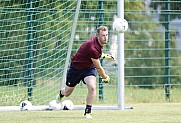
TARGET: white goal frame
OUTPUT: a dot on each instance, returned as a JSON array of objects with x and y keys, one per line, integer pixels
[{"x": 120, "y": 106}]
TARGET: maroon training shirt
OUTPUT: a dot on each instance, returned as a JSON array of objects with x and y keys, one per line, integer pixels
[{"x": 90, "y": 49}]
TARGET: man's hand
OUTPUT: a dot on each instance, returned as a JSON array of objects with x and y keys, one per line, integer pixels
[
  {"x": 106, "y": 80},
  {"x": 107, "y": 56}
]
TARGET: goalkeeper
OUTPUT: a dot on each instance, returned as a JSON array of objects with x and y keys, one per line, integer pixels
[{"x": 83, "y": 67}]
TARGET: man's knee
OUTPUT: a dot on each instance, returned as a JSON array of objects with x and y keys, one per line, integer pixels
[{"x": 92, "y": 88}]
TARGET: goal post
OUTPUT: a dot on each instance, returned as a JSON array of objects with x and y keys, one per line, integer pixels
[
  {"x": 58, "y": 28},
  {"x": 71, "y": 43},
  {"x": 120, "y": 6}
]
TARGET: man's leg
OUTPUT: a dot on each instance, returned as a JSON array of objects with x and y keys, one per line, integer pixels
[
  {"x": 66, "y": 91},
  {"x": 91, "y": 85}
]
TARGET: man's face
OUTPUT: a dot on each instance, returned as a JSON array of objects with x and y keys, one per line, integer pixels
[{"x": 103, "y": 37}]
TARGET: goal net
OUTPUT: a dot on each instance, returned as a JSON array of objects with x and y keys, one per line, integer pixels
[{"x": 37, "y": 38}]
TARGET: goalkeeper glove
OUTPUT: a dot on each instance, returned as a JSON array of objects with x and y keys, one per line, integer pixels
[
  {"x": 106, "y": 80},
  {"x": 107, "y": 56}
]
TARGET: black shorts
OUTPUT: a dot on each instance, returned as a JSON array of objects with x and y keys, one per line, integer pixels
[{"x": 75, "y": 76}]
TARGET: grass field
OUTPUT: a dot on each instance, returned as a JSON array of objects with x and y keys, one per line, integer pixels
[
  {"x": 12, "y": 96},
  {"x": 149, "y": 106},
  {"x": 141, "y": 113}
]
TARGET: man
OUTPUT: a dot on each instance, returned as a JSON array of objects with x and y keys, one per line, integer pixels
[{"x": 83, "y": 67}]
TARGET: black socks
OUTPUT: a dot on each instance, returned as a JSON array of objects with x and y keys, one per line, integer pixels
[
  {"x": 61, "y": 94},
  {"x": 88, "y": 109}
]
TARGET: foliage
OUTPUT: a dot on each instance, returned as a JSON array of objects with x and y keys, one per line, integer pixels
[
  {"x": 50, "y": 32},
  {"x": 174, "y": 7},
  {"x": 39, "y": 30}
]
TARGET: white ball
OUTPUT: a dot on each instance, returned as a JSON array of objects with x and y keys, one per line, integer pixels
[
  {"x": 67, "y": 105},
  {"x": 120, "y": 25},
  {"x": 53, "y": 105},
  {"x": 25, "y": 105}
]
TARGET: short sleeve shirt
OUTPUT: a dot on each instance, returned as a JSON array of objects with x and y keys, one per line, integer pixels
[{"x": 90, "y": 49}]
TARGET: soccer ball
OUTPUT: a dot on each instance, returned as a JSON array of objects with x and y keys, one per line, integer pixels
[
  {"x": 25, "y": 105},
  {"x": 53, "y": 105},
  {"x": 120, "y": 25},
  {"x": 67, "y": 105}
]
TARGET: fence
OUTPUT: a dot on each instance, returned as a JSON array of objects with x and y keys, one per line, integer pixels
[{"x": 34, "y": 37}]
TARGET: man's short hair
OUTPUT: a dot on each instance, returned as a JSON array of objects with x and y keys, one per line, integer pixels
[{"x": 102, "y": 28}]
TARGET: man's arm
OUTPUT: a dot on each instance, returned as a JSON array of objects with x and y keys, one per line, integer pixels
[{"x": 99, "y": 68}]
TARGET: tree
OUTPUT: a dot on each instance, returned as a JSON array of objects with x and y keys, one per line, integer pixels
[{"x": 175, "y": 7}]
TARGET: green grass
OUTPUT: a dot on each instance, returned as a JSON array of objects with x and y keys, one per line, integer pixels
[
  {"x": 142, "y": 113},
  {"x": 42, "y": 96}
]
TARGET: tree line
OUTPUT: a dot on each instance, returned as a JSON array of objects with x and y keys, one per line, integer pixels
[{"x": 32, "y": 39}]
